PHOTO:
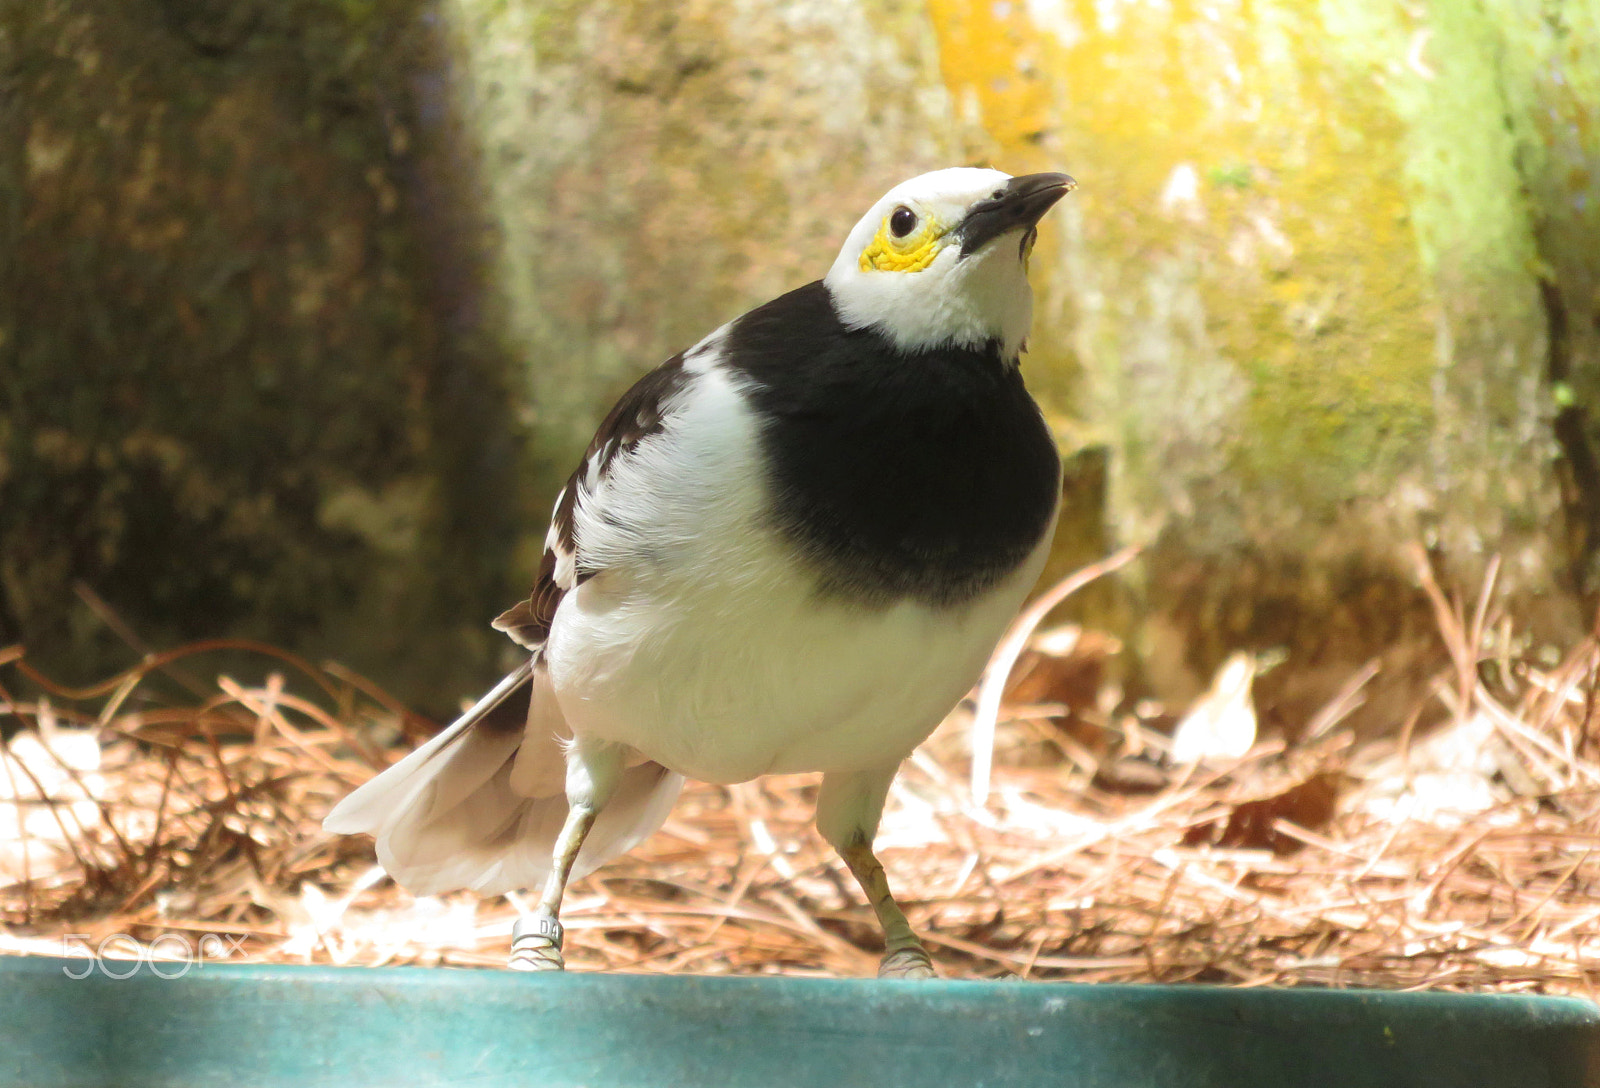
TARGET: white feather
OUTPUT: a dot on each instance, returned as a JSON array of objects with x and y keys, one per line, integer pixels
[
  {"x": 955, "y": 300},
  {"x": 365, "y": 810},
  {"x": 481, "y": 809},
  {"x": 497, "y": 840}
]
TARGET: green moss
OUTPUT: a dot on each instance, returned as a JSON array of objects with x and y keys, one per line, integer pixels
[{"x": 1233, "y": 175}]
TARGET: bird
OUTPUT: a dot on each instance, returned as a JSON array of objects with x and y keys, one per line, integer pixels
[{"x": 789, "y": 548}]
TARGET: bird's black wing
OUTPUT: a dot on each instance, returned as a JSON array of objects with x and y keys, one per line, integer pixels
[{"x": 640, "y": 413}]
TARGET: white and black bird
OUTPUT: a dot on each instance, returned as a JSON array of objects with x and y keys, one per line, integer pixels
[{"x": 789, "y": 548}]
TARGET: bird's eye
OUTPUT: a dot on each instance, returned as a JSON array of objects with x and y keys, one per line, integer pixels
[
  {"x": 997, "y": 194},
  {"x": 901, "y": 222}
]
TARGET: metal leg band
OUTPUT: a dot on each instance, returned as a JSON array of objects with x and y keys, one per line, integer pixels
[{"x": 537, "y": 925}]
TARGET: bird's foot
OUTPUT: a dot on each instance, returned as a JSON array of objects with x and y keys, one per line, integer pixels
[
  {"x": 910, "y": 962},
  {"x": 536, "y": 943}
]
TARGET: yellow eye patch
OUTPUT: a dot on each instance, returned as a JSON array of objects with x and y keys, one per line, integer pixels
[{"x": 887, "y": 253}]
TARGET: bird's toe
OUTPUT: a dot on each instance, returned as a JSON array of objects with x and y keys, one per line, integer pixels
[
  {"x": 907, "y": 963},
  {"x": 529, "y": 956}
]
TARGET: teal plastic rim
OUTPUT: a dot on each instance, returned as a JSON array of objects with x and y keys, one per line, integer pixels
[{"x": 69, "y": 1022}]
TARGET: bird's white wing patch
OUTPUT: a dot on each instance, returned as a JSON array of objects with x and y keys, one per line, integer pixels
[{"x": 639, "y": 415}]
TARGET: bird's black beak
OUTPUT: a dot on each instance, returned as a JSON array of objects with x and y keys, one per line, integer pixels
[{"x": 1018, "y": 204}]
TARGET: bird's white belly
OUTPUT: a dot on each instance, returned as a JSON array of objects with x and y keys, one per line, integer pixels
[{"x": 723, "y": 684}]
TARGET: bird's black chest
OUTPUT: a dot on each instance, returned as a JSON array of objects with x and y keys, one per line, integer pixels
[{"x": 928, "y": 475}]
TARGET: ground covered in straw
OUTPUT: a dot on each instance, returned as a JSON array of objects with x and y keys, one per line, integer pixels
[{"x": 174, "y": 808}]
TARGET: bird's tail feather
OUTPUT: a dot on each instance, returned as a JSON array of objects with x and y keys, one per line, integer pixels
[
  {"x": 481, "y": 808},
  {"x": 365, "y": 810}
]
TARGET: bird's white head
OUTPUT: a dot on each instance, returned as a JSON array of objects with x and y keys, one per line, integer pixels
[{"x": 942, "y": 259}]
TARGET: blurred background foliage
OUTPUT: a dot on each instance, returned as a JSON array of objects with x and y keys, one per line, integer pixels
[{"x": 308, "y": 306}]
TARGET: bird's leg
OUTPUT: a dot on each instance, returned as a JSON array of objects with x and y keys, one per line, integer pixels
[
  {"x": 903, "y": 954},
  {"x": 592, "y": 773},
  {"x": 536, "y": 937},
  {"x": 848, "y": 809}
]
